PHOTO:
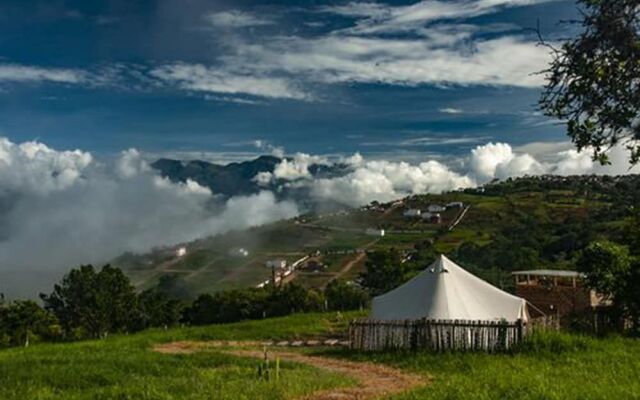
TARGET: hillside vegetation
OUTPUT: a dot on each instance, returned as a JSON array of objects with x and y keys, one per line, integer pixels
[{"x": 525, "y": 223}]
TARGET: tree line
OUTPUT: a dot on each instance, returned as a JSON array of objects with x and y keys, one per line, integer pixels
[{"x": 92, "y": 303}]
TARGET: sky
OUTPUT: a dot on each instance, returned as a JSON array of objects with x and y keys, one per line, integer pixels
[{"x": 402, "y": 80}]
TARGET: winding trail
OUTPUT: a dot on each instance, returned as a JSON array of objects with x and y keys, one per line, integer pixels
[{"x": 374, "y": 381}]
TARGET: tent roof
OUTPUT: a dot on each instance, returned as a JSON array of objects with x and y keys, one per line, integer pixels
[{"x": 447, "y": 291}]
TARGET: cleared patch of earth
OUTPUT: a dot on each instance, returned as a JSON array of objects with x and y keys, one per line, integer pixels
[{"x": 374, "y": 381}]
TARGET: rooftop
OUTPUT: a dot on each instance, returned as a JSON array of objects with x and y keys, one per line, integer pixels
[{"x": 550, "y": 272}]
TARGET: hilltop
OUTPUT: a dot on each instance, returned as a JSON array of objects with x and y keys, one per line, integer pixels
[{"x": 522, "y": 223}]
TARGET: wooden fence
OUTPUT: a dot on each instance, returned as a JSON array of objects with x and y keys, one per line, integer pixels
[{"x": 435, "y": 335}]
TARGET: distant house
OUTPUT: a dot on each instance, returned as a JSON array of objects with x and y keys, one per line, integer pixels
[
  {"x": 313, "y": 266},
  {"x": 277, "y": 264},
  {"x": 556, "y": 292},
  {"x": 455, "y": 204},
  {"x": 374, "y": 232},
  {"x": 412, "y": 213},
  {"x": 239, "y": 252},
  {"x": 181, "y": 252},
  {"x": 436, "y": 208},
  {"x": 433, "y": 218}
]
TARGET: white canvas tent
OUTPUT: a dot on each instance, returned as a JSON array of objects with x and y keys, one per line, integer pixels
[{"x": 446, "y": 291}]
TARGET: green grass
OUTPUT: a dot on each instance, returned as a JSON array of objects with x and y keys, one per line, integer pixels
[
  {"x": 553, "y": 366},
  {"x": 550, "y": 366},
  {"x": 123, "y": 367}
]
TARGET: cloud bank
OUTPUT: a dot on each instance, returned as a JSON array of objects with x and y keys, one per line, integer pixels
[
  {"x": 59, "y": 209},
  {"x": 385, "y": 180}
]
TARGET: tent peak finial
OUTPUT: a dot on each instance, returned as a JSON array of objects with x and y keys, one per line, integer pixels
[{"x": 439, "y": 265}]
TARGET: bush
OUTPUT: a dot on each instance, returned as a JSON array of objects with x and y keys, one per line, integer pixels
[
  {"x": 238, "y": 305},
  {"x": 24, "y": 322},
  {"x": 342, "y": 296}
]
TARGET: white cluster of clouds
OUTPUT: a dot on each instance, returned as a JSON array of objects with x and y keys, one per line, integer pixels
[
  {"x": 383, "y": 18},
  {"x": 290, "y": 169},
  {"x": 200, "y": 78},
  {"x": 339, "y": 58},
  {"x": 34, "y": 168},
  {"x": 439, "y": 54},
  {"x": 435, "y": 49},
  {"x": 27, "y": 73},
  {"x": 62, "y": 208},
  {"x": 236, "y": 19},
  {"x": 385, "y": 180}
]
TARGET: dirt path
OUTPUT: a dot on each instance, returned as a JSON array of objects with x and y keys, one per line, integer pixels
[
  {"x": 347, "y": 267},
  {"x": 374, "y": 381}
]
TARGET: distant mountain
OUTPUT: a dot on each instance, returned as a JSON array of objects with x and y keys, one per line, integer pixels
[
  {"x": 236, "y": 178},
  {"x": 229, "y": 180}
]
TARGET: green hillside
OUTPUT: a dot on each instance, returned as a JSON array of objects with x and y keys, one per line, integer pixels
[{"x": 538, "y": 222}]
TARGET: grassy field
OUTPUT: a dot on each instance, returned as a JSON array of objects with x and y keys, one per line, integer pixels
[
  {"x": 124, "y": 367},
  {"x": 554, "y": 366},
  {"x": 551, "y": 366}
]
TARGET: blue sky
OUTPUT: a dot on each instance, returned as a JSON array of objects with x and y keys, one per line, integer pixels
[{"x": 407, "y": 79}]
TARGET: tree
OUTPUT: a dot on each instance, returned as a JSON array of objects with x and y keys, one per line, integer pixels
[
  {"x": 24, "y": 321},
  {"x": 157, "y": 309},
  {"x": 91, "y": 303},
  {"x": 343, "y": 296},
  {"x": 606, "y": 265},
  {"x": 594, "y": 80},
  {"x": 613, "y": 273},
  {"x": 384, "y": 271},
  {"x": 292, "y": 298},
  {"x": 174, "y": 287}
]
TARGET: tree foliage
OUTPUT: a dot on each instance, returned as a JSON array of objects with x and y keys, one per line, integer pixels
[
  {"x": 612, "y": 272},
  {"x": 253, "y": 303},
  {"x": 158, "y": 309},
  {"x": 342, "y": 296},
  {"x": 593, "y": 81},
  {"x": 22, "y": 322},
  {"x": 174, "y": 287},
  {"x": 94, "y": 303},
  {"x": 384, "y": 271}
]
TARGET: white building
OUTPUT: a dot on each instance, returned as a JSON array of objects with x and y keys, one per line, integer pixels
[
  {"x": 412, "y": 213},
  {"x": 239, "y": 252},
  {"x": 427, "y": 215},
  {"x": 455, "y": 204},
  {"x": 436, "y": 208},
  {"x": 181, "y": 252},
  {"x": 375, "y": 232},
  {"x": 277, "y": 264}
]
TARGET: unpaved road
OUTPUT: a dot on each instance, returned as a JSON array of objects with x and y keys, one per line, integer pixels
[{"x": 374, "y": 381}]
